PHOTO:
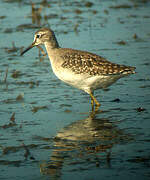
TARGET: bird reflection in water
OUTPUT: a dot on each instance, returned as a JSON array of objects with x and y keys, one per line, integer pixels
[{"x": 83, "y": 145}]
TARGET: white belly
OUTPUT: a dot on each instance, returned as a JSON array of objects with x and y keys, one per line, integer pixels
[{"x": 85, "y": 82}]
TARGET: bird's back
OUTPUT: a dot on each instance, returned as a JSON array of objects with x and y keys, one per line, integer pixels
[{"x": 82, "y": 62}]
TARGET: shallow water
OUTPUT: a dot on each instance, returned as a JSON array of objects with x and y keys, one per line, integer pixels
[{"x": 47, "y": 130}]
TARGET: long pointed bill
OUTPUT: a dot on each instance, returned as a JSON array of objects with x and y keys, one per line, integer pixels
[{"x": 28, "y": 48}]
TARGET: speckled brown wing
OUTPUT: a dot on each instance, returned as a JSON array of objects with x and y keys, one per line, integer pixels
[{"x": 82, "y": 62}]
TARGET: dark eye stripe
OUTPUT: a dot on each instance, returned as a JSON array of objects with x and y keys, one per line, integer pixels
[{"x": 38, "y": 36}]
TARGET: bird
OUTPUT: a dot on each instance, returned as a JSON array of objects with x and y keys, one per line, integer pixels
[{"x": 81, "y": 69}]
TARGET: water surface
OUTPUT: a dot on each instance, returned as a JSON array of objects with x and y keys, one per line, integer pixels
[{"x": 47, "y": 130}]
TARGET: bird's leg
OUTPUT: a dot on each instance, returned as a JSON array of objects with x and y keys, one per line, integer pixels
[
  {"x": 92, "y": 104},
  {"x": 93, "y": 99}
]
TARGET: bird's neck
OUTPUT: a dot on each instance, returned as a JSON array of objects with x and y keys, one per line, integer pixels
[
  {"x": 51, "y": 45},
  {"x": 51, "y": 48}
]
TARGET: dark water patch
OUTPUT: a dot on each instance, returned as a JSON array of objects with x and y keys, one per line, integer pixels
[
  {"x": 138, "y": 39},
  {"x": 22, "y": 27},
  {"x": 5, "y": 77},
  {"x": 3, "y": 17},
  {"x": 65, "y": 105},
  {"x": 121, "y": 42},
  {"x": 40, "y": 138},
  {"x": 51, "y": 16},
  {"x": 16, "y": 163},
  {"x": 138, "y": 159},
  {"x": 19, "y": 98},
  {"x": 147, "y": 64},
  {"x": 89, "y": 4},
  {"x": 145, "y": 86},
  {"x": 119, "y": 109},
  {"x": 12, "y": 118},
  {"x": 140, "y": 109},
  {"x": 122, "y": 6},
  {"x": 146, "y": 16},
  {"x": 78, "y": 11},
  {"x": 8, "y": 30},
  {"x": 27, "y": 153},
  {"x": 135, "y": 36},
  {"x": 11, "y": 123},
  {"x": 12, "y": 49},
  {"x": 132, "y": 16},
  {"x": 16, "y": 74},
  {"x": 143, "y": 79},
  {"x": 116, "y": 100},
  {"x": 14, "y": 1},
  {"x": 31, "y": 84},
  {"x": 67, "y": 111},
  {"x": 37, "y": 108},
  {"x": 8, "y": 125},
  {"x": 13, "y": 149}
]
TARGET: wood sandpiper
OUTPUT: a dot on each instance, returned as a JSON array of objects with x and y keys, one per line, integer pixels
[{"x": 81, "y": 69}]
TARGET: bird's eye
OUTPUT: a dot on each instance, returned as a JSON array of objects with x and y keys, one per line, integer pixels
[{"x": 38, "y": 36}]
